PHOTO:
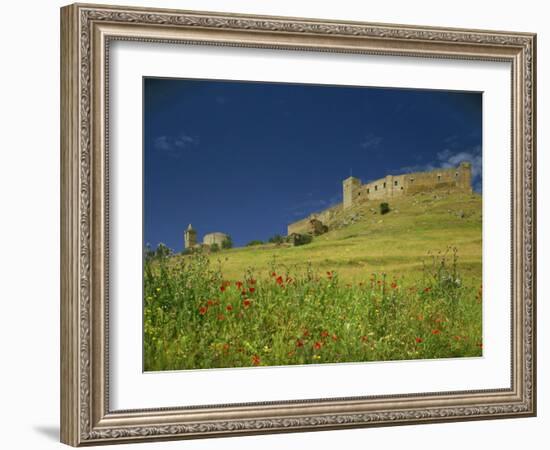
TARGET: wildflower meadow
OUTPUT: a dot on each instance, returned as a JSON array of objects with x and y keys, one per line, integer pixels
[{"x": 195, "y": 318}]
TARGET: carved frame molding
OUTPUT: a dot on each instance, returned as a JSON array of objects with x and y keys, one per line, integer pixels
[{"x": 86, "y": 31}]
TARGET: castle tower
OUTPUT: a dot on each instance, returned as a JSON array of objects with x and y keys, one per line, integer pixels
[
  {"x": 351, "y": 188},
  {"x": 190, "y": 237},
  {"x": 464, "y": 181}
]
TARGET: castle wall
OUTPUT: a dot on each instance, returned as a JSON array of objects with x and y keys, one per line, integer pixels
[
  {"x": 300, "y": 227},
  {"x": 454, "y": 178},
  {"x": 303, "y": 226},
  {"x": 383, "y": 188}
]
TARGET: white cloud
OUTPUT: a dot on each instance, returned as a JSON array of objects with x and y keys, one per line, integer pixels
[
  {"x": 447, "y": 158},
  {"x": 371, "y": 141},
  {"x": 174, "y": 146}
]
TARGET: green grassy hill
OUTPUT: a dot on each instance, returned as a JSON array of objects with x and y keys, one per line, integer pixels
[
  {"x": 361, "y": 241},
  {"x": 240, "y": 307}
]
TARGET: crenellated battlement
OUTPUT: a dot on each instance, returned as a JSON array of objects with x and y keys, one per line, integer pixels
[
  {"x": 455, "y": 178},
  {"x": 354, "y": 191}
]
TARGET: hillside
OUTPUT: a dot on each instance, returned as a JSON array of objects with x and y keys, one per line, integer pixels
[{"x": 361, "y": 241}]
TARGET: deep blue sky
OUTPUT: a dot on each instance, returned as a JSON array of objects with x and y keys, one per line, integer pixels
[{"x": 247, "y": 158}]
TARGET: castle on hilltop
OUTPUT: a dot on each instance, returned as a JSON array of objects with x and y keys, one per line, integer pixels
[{"x": 355, "y": 192}]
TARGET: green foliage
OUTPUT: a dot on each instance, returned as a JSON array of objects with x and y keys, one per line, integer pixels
[
  {"x": 214, "y": 248},
  {"x": 301, "y": 239},
  {"x": 162, "y": 251},
  {"x": 384, "y": 208},
  {"x": 254, "y": 242},
  {"x": 227, "y": 243},
  {"x": 196, "y": 318},
  {"x": 276, "y": 239}
]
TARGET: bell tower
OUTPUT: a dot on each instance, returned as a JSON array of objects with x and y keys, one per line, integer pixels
[{"x": 190, "y": 237}]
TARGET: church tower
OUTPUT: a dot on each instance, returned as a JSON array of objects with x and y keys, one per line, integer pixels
[{"x": 190, "y": 237}]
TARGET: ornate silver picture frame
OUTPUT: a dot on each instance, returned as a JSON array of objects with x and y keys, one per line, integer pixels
[{"x": 87, "y": 33}]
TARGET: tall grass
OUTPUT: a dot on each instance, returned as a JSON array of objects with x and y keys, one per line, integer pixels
[{"x": 194, "y": 318}]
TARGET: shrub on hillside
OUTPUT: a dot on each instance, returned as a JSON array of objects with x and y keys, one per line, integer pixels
[
  {"x": 214, "y": 248},
  {"x": 254, "y": 242},
  {"x": 384, "y": 208},
  {"x": 300, "y": 239},
  {"x": 162, "y": 251},
  {"x": 227, "y": 243},
  {"x": 277, "y": 239}
]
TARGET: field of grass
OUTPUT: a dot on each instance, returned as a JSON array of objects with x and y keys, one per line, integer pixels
[
  {"x": 404, "y": 285},
  {"x": 396, "y": 243}
]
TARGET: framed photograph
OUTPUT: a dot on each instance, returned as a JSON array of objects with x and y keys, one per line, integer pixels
[{"x": 275, "y": 224}]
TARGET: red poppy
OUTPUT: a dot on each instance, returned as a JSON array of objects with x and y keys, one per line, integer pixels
[
  {"x": 243, "y": 292},
  {"x": 210, "y": 302},
  {"x": 246, "y": 302},
  {"x": 324, "y": 333},
  {"x": 203, "y": 310},
  {"x": 329, "y": 274},
  {"x": 221, "y": 317},
  {"x": 299, "y": 343},
  {"x": 436, "y": 331},
  {"x": 418, "y": 340},
  {"x": 225, "y": 347},
  {"x": 251, "y": 290},
  {"x": 290, "y": 354},
  {"x": 222, "y": 288},
  {"x": 273, "y": 274},
  {"x": 428, "y": 289},
  {"x": 229, "y": 307},
  {"x": 317, "y": 345},
  {"x": 364, "y": 338},
  {"x": 239, "y": 284},
  {"x": 252, "y": 281},
  {"x": 256, "y": 360},
  {"x": 279, "y": 280},
  {"x": 394, "y": 285},
  {"x": 334, "y": 337},
  {"x": 306, "y": 332}
]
